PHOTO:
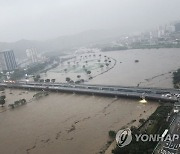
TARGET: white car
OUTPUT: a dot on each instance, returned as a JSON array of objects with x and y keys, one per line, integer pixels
[{"x": 168, "y": 95}]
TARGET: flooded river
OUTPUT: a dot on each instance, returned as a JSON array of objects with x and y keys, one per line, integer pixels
[
  {"x": 153, "y": 69},
  {"x": 65, "y": 123},
  {"x": 78, "y": 124}
]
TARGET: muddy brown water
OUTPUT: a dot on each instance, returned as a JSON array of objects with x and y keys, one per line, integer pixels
[
  {"x": 64, "y": 123},
  {"x": 78, "y": 124},
  {"x": 154, "y": 68}
]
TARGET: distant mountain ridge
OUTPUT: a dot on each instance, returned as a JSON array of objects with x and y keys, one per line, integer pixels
[{"x": 60, "y": 44}]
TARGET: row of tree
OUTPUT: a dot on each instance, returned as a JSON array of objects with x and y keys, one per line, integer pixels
[
  {"x": 40, "y": 94},
  {"x": 17, "y": 103},
  {"x": 69, "y": 80},
  {"x": 37, "y": 78}
]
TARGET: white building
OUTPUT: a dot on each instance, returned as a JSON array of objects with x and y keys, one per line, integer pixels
[{"x": 32, "y": 55}]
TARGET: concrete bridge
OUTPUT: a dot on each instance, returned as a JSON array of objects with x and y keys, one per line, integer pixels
[{"x": 158, "y": 94}]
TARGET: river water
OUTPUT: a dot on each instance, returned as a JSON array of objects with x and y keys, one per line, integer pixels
[
  {"x": 79, "y": 124},
  {"x": 154, "y": 68}
]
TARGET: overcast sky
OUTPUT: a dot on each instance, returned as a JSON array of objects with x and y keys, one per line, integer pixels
[{"x": 43, "y": 19}]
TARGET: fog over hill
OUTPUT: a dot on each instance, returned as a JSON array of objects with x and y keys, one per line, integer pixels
[
  {"x": 61, "y": 44},
  {"x": 40, "y": 20}
]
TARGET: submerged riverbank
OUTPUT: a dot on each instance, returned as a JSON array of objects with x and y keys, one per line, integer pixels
[{"x": 154, "y": 69}]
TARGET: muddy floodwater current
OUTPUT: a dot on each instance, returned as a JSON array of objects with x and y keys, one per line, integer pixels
[{"x": 63, "y": 123}]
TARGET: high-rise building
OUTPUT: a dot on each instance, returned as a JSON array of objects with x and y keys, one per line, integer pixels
[
  {"x": 7, "y": 60},
  {"x": 32, "y": 55},
  {"x": 177, "y": 27}
]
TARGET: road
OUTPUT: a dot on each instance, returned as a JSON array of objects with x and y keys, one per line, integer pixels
[
  {"x": 107, "y": 90},
  {"x": 171, "y": 147}
]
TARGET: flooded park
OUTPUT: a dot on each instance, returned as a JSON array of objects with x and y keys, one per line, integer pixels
[{"x": 141, "y": 67}]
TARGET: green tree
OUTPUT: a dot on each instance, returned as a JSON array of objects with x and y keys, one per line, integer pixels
[
  {"x": 23, "y": 100},
  {"x": 36, "y": 79},
  {"x": 3, "y": 97},
  {"x": 68, "y": 79},
  {"x": 88, "y": 72},
  {"x": 47, "y": 80},
  {"x": 38, "y": 76},
  {"x": 65, "y": 70},
  {"x": 101, "y": 66},
  {"x": 41, "y": 80},
  {"x": 2, "y": 102},
  {"x": 78, "y": 76},
  {"x": 112, "y": 134},
  {"x": 53, "y": 80}
]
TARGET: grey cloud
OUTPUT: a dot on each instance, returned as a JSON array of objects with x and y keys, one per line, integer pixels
[{"x": 43, "y": 19}]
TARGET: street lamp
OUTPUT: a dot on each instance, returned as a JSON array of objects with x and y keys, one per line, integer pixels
[{"x": 143, "y": 100}]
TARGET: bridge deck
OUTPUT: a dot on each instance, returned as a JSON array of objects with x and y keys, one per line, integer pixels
[{"x": 106, "y": 90}]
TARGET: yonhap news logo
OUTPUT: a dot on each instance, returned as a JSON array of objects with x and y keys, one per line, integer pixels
[{"x": 124, "y": 137}]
